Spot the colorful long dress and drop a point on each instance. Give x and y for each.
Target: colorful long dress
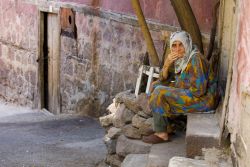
(193, 90)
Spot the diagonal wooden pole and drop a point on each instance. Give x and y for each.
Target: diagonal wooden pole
(142, 22)
(187, 21)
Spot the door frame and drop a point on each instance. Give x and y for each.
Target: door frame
(40, 84)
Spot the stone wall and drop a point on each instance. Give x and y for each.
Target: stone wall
(102, 61)
(18, 51)
(104, 58)
(239, 101)
(158, 10)
(227, 33)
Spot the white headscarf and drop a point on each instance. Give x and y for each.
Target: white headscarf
(190, 50)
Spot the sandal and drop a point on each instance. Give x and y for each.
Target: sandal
(153, 139)
(149, 132)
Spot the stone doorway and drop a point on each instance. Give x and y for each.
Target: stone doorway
(49, 62)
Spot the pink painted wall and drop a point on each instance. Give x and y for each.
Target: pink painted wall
(18, 53)
(159, 10)
(241, 70)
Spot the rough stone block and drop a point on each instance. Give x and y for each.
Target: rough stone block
(106, 120)
(114, 132)
(143, 114)
(129, 99)
(202, 132)
(142, 101)
(131, 132)
(103, 164)
(127, 146)
(135, 160)
(114, 160)
(112, 108)
(144, 125)
(122, 116)
(137, 121)
(181, 162)
(110, 144)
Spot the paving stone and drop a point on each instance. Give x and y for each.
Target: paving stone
(127, 146)
(129, 99)
(214, 160)
(219, 157)
(202, 132)
(135, 160)
(160, 154)
(131, 132)
(114, 132)
(110, 145)
(187, 162)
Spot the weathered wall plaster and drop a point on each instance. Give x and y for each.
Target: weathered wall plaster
(102, 61)
(239, 102)
(18, 51)
(158, 10)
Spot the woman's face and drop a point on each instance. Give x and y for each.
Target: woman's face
(178, 48)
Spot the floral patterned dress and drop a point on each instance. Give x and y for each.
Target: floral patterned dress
(193, 90)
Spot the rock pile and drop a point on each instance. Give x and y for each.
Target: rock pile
(129, 119)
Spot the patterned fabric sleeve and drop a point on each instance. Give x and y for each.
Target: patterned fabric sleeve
(161, 76)
(198, 77)
(170, 74)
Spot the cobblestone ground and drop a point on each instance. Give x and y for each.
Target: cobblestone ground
(30, 138)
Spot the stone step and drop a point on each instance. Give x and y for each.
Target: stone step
(135, 160)
(127, 146)
(203, 131)
(214, 158)
(187, 162)
(160, 154)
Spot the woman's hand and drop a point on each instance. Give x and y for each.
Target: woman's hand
(168, 61)
(173, 56)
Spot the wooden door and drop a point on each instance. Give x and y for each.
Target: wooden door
(53, 37)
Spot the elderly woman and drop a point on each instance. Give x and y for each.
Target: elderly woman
(192, 90)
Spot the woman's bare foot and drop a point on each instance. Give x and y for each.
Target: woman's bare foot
(163, 135)
(156, 138)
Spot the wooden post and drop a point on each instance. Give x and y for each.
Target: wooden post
(187, 21)
(150, 45)
(213, 31)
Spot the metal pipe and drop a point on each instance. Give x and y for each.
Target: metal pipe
(142, 22)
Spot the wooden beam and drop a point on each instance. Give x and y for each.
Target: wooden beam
(187, 21)
(142, 22)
